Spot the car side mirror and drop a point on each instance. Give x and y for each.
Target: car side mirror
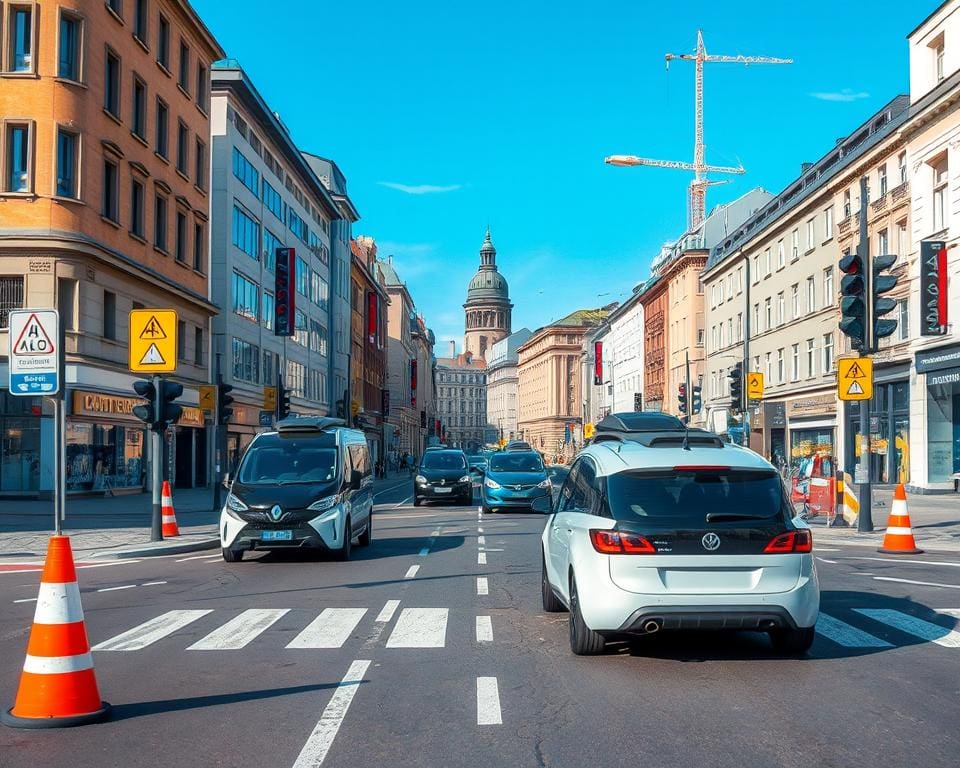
(356, 478)
(543, 505)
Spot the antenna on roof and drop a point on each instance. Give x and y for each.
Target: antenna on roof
(686, 437)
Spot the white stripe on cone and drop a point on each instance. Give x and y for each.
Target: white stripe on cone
(899, 507)
(898, 531)
(56, 665)
(168, 519)
(58, 604)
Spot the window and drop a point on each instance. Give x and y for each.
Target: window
(940, 194)
(902, 165)
(781, 309)
(766, 263)
(160, 222)
(199, 240)
(768, 313)
(829, 297)
(200, 164)
(729, 330)
(246, 297)
(781, 255)
(109, 315)
(183, 135)
(756, 318)
(811, 233)
(300, 328)
(140, 17)
(138, 117)
(163, 42)
(271, 199)
(882, 180)
(847, 210)
(938, 60)
(903, 319)
(18, 157)
(67, 164)
(700, 335)
(243, 169)
(69, 46)
(269, 307)
(739, 330)
(756, 269)
(246, 233)
(780, 371)
(246, 361)
(811, 295)
(795, 362)
(319, 290)
(184, 79)
(66, 302)
(198, 346)
(11, 297)
(111, 84)
(739, 280)
(270, 244)
(768, 359)
(297, 225)
(795, 301)
(827, 352)
(828, 224)
(111, 191)
(202, 86)
(20, 37)
(303, 277)
(903, 247)
(318, 338)
(181, 339)
(181, 242)
(163, 128)
(136, 208)
(269, 368)
(811, 358)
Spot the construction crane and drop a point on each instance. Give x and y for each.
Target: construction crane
(696, 198)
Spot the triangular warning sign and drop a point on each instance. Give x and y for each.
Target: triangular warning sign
(854, 388)
(152, 356)
(153, 330)
(754, 382)
(33, 339)
(855, 372)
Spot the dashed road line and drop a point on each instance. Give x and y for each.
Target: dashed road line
(198, 557)
(484, 629)
(411, 571)
(117, 589)
(488, 702)
(824, 560)
(386, 613)
(152, 583)
(917, 583)
(481, 539)
(904, 560)
(483, 587)
(481, 558)
(26, 600)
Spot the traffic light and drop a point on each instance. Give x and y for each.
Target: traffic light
(160, 410)
(283, 402)
(883, 283)
(697, 399)
(682, 399)
(853, 304)
(146, 413)
(736, 386)
(169, 410)
(224, 401)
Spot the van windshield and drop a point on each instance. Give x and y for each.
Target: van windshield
(273, 460)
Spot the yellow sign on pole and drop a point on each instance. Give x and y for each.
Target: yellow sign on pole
(855, 378)
(755, 386)
(153, 340)
(208, 398)
(589, 430)
(269, 398)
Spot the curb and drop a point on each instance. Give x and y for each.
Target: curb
(157, 550)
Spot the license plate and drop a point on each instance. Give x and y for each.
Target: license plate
(443, 490)
(276, 535)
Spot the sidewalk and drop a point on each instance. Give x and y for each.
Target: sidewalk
(119, 527)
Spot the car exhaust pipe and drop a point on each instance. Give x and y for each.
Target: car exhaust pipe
(651, 626)
(768, 624)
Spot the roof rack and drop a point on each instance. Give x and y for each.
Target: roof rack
(308, 424)
(642, 421)
(653, 430)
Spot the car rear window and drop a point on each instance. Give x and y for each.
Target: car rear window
(516, 462)
(444, 460)
(684, 497)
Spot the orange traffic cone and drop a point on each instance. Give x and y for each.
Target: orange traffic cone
(898, 539)
(168, 516)
(58, 687)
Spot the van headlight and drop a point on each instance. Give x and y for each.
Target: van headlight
(234, 505)
(544, 483)
(491, 483)
(466, 479)
(420, 479)
(322, 505)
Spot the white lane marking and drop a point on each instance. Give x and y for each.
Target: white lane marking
(484, 629)
(481, 539)
(424, 552)
(386, 613)
(58, 603)
(481, 558)
(904, 560)
(488, 702)
(955, 612)
(411, 571)
(26, 600)
(330, 629)
(846, 635)
(409, 498)
(917, 583)
(198, 557)
(115, 589)
(482, 586)
(824, 560)
(239, 631)
(152, 583)
(480, 529)
(491, 549)
(825, 549)
(925, 630)
(150, 631)
(420, 628)
(391, 488)
(325, 731)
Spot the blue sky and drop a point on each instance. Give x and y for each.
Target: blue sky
(448, 116)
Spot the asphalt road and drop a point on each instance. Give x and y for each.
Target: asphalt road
(405, 656)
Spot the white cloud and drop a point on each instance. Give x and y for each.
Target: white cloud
(420, 189)
(846, 94)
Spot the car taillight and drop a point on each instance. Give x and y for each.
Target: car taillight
(792, 541)
(617, 543)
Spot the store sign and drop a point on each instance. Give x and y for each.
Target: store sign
(775, 414)
(92, 404)
(941, 378)
(812, 406)
(933, 288)
(284, 306)
(938, 359)
(34, 359)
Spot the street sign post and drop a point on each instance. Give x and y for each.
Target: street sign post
(754, 386)
(153, 341)
(855, 378)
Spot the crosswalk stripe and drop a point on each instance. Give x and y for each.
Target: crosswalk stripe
(240, 631)
(150, 631)
(420, 628)
(846, 635)
(484, 629)
(330, 629)
(925, 630)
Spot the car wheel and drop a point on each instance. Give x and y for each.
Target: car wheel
(417, 501)
(232, 555)
(344, 552)
(551, 603)
(486, 510)
(363, 540)
(793, 641)
(583, 640)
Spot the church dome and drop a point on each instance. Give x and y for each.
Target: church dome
(488, 284)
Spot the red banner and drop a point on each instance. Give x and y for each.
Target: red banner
(413, 383)
(597, 363)
(372, 316)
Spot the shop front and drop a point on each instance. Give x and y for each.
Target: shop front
(889, 444)
(812, 427)
(939, 371)
(26, 445)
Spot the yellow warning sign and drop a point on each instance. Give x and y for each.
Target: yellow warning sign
(269, 398)
(855, 378)
(589, 430)
(755, 386)
(208, 398)
(153, 340)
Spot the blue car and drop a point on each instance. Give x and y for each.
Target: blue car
(514, 480)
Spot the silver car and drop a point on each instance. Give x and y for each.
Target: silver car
(660, 528)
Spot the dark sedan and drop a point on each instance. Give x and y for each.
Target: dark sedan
(443, 476)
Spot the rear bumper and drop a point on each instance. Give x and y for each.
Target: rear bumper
(739, 617)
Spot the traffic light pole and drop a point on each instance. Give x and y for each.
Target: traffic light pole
(865, 492)
(156, 467)
(686, 356)
(218, 449)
